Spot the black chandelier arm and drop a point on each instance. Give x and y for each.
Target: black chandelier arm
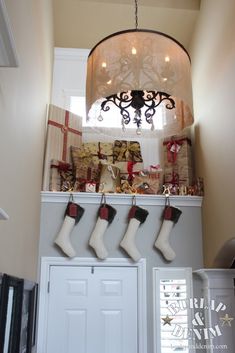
(157, 98)
(124, 97)
(125, 116)
(137, 99)
(150, 112)
(161, 97)
(119, 100)
(150, 96)
(167, 97)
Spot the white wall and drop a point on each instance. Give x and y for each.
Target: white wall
(213, 62)
(24, 94)
(185, 238)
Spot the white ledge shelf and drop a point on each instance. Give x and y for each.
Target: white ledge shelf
(120, 199)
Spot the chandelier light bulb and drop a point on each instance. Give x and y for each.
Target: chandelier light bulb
(134, 51)
(167, 59)
(104, 65)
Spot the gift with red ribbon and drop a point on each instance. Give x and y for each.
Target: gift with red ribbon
(124, 151)
(148, 181)
(129, 169)
(100, 151)
(178, 168)
(173, 147)
(63, 131)
(61, 176)
(85, 169)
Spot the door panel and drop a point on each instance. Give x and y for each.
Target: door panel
(92, 310)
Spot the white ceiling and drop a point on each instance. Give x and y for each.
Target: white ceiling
(174, 4)
(83, 23)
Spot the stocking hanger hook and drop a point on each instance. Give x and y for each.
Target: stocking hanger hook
(133, 200)
(71, 199)
(103, 199)
(167, 200)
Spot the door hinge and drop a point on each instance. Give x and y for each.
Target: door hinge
(48, 287)
(92, 270)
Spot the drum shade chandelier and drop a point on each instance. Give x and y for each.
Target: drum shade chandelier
(142, 73)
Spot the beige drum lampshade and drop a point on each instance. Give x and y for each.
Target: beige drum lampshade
(141, 60)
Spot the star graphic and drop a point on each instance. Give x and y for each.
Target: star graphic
(167, 320)
(226, 320)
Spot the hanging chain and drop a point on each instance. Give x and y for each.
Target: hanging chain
(136, 14)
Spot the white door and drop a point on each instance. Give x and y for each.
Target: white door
(92, 310)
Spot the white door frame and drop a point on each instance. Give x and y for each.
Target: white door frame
(47, 262)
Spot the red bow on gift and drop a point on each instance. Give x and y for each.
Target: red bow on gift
(156, 167)
(62, 167)
(173, 147)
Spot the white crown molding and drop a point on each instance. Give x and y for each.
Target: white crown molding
(120, 199)
(8, 55)
(71, 54)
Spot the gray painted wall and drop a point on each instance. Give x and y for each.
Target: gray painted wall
(186, 238)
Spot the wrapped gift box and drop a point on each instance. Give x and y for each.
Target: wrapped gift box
(109, 178)
(178, 177)
(147, 183)
(124, 151)
(61, 176)
(86, 176)
(100, 151)
(64, 130)
(90, 187)
(127, 157)
(178, 168)
(85, 169)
